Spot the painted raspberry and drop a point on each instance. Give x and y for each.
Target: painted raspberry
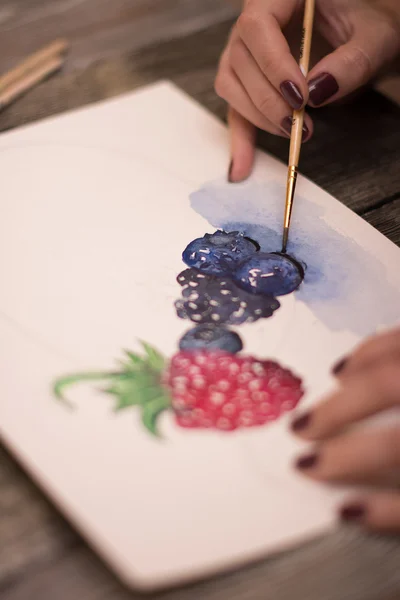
(218, 253)
(227, 392)
(218, 300)
(202, 389)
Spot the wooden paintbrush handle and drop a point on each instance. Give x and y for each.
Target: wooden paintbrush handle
(12, 92)
(45, 55)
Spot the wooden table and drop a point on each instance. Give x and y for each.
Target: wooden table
(41, 556)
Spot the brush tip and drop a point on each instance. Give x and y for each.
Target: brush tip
(285, 239)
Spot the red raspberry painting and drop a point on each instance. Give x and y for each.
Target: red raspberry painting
(201, 389)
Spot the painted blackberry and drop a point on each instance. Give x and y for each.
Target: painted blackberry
(218, 300)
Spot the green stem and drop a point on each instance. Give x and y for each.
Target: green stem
(64, 382)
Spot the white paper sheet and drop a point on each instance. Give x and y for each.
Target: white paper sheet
(96, 208)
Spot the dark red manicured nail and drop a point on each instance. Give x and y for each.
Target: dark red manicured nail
(287, 126)
(302, 422)
(339, 366)
(352, 512)
(322, 87)
(230, 171)
(292, 94)
(307, 462)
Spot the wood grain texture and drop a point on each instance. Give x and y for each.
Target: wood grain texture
(386, 218)
(101, 28)
(30, 529)
(41, 557)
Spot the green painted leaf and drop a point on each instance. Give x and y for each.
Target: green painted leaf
(152, 411)
(135, 388)
(155, 359)
(62, 383)
(134, 361)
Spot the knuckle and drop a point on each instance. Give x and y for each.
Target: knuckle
(387, 380)
(264, 104)
(236, 53)
(392, 446)
(359, 61)
(248, 21)
(221, 84)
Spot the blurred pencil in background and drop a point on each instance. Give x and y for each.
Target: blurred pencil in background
(31, 71)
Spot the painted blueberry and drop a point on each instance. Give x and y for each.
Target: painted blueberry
(210, 337)
(269, 274)
(218, 300)
(218, 253)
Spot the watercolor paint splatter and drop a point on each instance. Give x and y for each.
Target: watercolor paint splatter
(336, 285)
(208, 384)
(205, 389)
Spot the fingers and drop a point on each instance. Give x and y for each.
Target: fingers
(254, 103)
(229, 87)
(260, 29)
(374, 44)
(377, 512)
(243, 141)
(262, 94)
(358, 457)
(361, 396)
(377, 349)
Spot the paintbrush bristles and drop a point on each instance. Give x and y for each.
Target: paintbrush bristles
(298, 120)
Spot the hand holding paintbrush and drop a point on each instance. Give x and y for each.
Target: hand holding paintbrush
(261, 80)
(32, 71)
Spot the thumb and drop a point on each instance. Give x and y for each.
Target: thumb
(374, 44)
(243, 143)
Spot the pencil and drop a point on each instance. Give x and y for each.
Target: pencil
(32, 78)
(297, 123)
(46, 54)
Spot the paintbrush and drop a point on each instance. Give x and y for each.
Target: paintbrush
(297, 123)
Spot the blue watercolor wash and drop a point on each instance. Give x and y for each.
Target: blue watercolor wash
(344, 286)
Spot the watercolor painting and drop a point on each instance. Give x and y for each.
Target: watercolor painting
(208, 383)
(165, 316)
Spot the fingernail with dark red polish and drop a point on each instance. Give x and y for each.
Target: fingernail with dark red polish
(339, 366)
(352, 512)
(230, 171)
(307, 462)
(287, 126)
(292, 94)
(302, 422)
(322, 88)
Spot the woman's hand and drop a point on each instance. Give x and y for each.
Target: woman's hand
(369, 384)
(261, 80)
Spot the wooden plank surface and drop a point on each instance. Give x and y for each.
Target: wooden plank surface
(101, 28)
(41, 557)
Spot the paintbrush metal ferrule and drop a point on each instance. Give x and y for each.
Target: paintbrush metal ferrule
(290, 190)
